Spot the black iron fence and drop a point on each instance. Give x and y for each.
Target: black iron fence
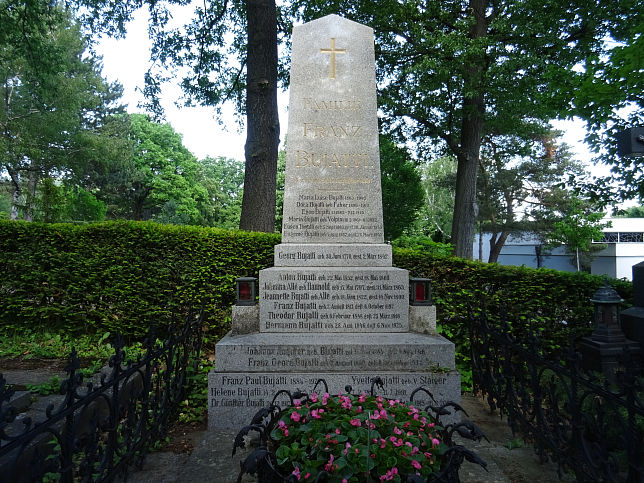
(100, 429)
(591, 428)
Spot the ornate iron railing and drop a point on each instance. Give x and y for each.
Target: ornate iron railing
(591, 428)
(98, 430)
(263, 460)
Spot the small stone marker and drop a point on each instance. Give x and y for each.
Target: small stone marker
(333, 306)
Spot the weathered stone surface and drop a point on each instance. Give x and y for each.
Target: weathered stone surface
(422, 319)
(332, 189)
(332, 307)
(234, 398)
(245, 319)
(333, 299)
(332, 255)
(334, 352)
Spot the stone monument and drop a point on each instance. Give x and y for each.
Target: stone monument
(333, 306)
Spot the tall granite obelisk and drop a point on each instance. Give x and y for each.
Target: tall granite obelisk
(332, 306)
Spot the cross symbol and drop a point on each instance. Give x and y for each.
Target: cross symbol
(332, 51)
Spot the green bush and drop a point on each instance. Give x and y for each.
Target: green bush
(121, 276)
(554, 304)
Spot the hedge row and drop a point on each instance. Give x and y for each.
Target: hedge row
(121, 276)
(125, 275)
(553, 304)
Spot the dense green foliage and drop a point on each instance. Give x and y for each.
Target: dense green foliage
(54, 103)
(555, 304)
(453, 73)
(122, 276)
(402, 190)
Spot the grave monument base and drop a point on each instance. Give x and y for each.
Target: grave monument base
(235, 397)
(251, 368)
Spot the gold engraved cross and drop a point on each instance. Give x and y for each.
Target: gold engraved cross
(332, 51)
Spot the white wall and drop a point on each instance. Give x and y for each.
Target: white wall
(616, 260)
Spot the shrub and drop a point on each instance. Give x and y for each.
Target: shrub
(121, 276)
(356, 437)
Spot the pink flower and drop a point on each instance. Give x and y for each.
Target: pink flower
(325, 398)
(295, 416)
(416, 464)
(346, 447)
(395, 441)
(337, 430)
(392, 403)
(282, 425)
(315, 413)
(427, 455)
(306, 476)
(362, 398)
(435, 442)
(389, 475)
(297, 404)
(397, 431)
(296, 472)
(314, 397)
(329, 465)
(355, 422)
(383, 414)
(414, 450)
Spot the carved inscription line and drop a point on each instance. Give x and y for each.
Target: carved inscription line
(258, 390)
(326, 160)
(332, 105)
(330, 131)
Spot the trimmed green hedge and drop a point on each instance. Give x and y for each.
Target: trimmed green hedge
(555, 304)
(121, 276)
(125, 275)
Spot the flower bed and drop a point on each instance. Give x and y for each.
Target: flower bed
(351, 437)
(355, 438)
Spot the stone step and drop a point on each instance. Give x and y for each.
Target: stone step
(265, 352)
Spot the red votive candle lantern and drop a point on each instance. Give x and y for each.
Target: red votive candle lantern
(245, 290)
(420, 291)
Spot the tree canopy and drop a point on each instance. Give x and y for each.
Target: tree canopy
(54, 100)
(451, 73)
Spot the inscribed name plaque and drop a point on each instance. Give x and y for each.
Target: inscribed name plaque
(334, 299)
(233, 395)
(332, 188)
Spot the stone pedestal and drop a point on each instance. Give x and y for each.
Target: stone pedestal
(332, 307)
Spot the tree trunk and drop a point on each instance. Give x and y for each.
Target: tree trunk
(496, 245)
(262, 137)
(17, 193)
(32, 181)
(465, 209)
